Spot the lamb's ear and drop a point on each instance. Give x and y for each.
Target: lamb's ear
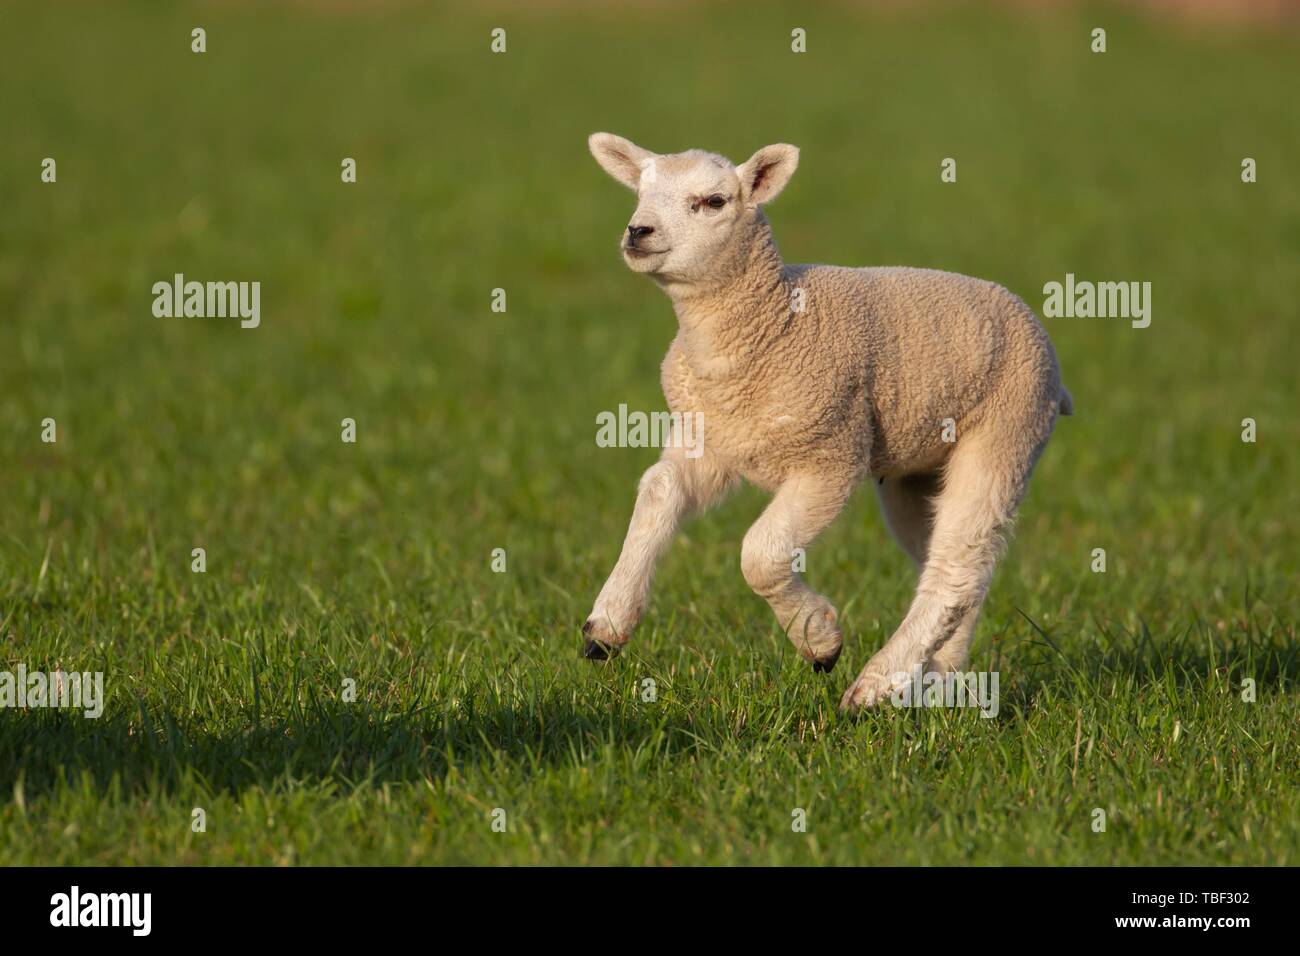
(764, 175)
(619, 157)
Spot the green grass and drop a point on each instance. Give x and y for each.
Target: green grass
(328, 561)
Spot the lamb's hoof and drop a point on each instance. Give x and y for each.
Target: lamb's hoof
(869, 690)
(596, 651)
(827, 664)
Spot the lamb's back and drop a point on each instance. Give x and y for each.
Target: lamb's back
(935, 345)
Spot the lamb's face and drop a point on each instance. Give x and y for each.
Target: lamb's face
(694, 209)
(686, 216)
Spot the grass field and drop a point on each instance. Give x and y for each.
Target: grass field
(370, 562)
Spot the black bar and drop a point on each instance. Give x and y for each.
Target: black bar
(333, 906)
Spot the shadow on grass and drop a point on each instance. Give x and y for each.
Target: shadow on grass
(151, 750)
(349, 744)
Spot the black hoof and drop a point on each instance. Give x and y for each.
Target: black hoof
(828, 664)
(596, 650)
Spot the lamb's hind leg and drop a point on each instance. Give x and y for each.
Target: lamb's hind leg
(952, 654)
(983, 483)
(908, 507)
(801, 509)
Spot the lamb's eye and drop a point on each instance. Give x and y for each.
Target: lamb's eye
(716, 202)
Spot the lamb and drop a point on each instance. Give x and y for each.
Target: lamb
(942, 388)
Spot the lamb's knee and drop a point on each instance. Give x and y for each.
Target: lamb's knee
(764, 571)
(661, 487)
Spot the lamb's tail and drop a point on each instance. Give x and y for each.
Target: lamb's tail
(1067, 403)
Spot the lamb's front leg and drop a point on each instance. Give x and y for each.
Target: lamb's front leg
(670, 490)
(802, 508)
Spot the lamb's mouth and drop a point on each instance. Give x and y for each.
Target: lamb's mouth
(636, 253)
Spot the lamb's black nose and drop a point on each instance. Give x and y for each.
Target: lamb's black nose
(636, 232)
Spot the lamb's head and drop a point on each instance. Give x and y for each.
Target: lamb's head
(697, 213)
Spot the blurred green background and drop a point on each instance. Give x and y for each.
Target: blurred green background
(476, 430)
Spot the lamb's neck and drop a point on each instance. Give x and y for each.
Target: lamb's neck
(727, 325)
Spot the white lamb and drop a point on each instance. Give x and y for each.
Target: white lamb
(942, 388)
